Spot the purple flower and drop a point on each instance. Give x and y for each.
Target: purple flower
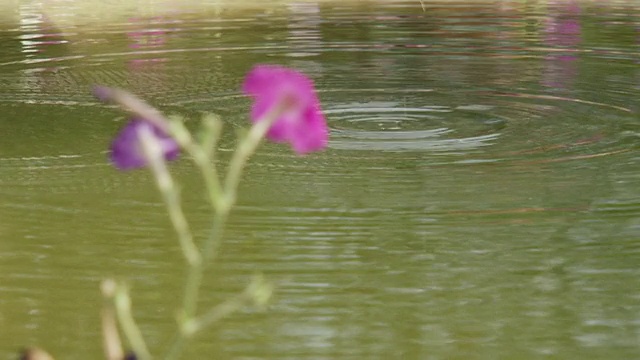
(126, 149)
(300, 121)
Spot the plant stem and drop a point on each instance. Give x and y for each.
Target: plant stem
(212, 126)
(258, 292)
(176, 346)
(222, 200)
(218, 312)
(122, 303)
(200, 155)
(170, 195)
(131, 103)
(192, 287)
(245, 149)
(110, 337)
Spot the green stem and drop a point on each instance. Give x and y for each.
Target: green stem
(217, 313)
(223, 207)
(257, 292)
(133, 104)
(212, 130)
(244, 151)
(170, 195)
(222, 200)
(193, 285)
(110, 335)
(122, 303)
(177, 345)
(201, 156)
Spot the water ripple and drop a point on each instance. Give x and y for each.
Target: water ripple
(483, 156)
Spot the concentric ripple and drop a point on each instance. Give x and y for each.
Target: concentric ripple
(406, 121)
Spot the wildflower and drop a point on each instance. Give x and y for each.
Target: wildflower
(126, 149)
(291, 94)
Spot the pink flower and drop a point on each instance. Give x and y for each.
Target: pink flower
(301, 122)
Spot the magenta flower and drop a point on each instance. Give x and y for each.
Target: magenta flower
(301, 122)
(126, 149)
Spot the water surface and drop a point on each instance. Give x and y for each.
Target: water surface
(478, 200)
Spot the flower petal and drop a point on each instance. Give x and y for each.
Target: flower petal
(301, 122)
(127, 152)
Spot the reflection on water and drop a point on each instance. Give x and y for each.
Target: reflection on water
(562, 34)
(478, 200)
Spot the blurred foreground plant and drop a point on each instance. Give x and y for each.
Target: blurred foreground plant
(285, 109)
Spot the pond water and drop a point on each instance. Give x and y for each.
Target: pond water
(478, 200)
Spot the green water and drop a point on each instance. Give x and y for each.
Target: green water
(479, 198)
